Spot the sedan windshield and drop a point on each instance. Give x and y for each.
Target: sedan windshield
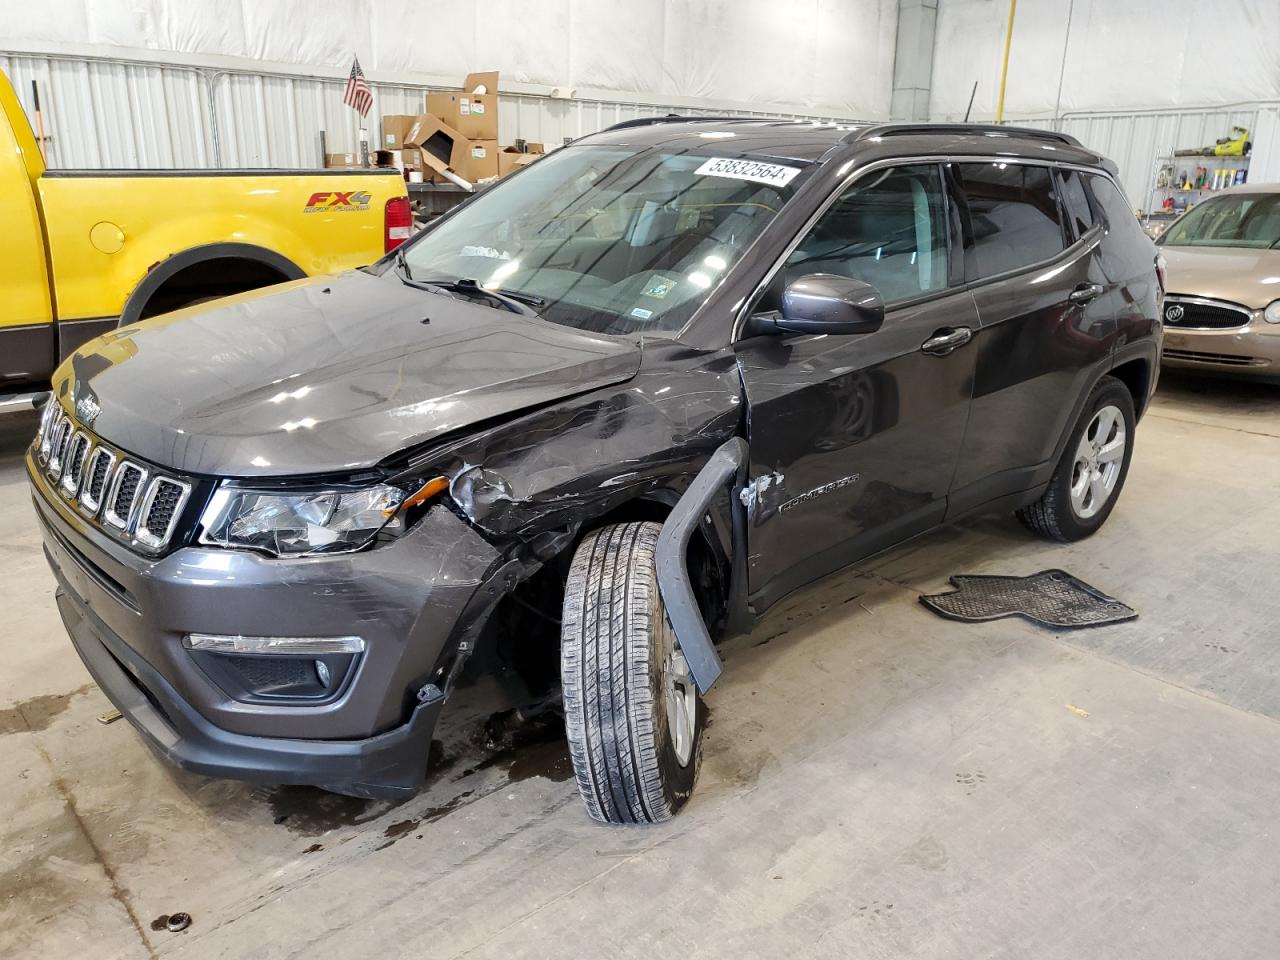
(606, 239)
(1238, 220)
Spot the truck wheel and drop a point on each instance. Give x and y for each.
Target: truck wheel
(1087, 483)
(632, 713)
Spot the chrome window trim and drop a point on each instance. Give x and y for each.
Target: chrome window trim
(109, 515)
(85, 501)
(744, 311)
(69, 482)
(145, 535)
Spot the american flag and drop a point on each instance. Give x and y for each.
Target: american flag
(358, 96)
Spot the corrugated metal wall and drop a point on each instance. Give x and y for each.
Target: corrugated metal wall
(113, 113)
(1138, 141)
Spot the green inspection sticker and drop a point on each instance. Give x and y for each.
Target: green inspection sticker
(658, 286)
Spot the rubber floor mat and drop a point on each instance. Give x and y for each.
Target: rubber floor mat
(1051, 598)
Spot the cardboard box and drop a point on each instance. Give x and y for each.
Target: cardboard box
(438, 145)
(473, 115)
(394, 128)
(341, 160)
(511, 159)
(480, 161)
(483, 82)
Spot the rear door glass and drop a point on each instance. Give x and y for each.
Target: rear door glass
(1014, 218)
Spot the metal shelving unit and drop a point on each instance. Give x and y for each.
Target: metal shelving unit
(1171, 167)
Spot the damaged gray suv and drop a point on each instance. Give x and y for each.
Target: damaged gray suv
(580, 429)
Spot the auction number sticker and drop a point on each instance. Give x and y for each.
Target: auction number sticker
(774, 174)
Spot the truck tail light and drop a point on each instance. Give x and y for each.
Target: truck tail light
(397, 222)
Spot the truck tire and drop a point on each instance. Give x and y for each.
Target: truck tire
(1087, 483)
(633, 715)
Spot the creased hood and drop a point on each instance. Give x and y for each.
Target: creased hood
(1248, 277)
(322, 375)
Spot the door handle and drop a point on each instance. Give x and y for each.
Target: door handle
(1085, 292)
(945, 340)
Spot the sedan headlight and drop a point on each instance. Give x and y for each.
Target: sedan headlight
(296, 524)
(1272, 313)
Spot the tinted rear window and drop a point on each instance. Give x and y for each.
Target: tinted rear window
(1013, 216)
(1076, 200)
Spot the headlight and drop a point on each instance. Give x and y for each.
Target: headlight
(295, 524)
(1272, 313)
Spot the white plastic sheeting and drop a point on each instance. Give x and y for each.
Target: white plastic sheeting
(130, 115)
(1105, 55)
(832, 57)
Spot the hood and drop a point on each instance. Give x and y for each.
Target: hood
(323, 375)
(1248, 277)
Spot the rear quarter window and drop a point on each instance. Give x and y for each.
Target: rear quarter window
(1127, 252)
(1014, 216)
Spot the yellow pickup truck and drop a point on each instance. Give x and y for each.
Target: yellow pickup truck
(85, 251)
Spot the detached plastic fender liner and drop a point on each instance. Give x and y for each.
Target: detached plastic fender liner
(673, 570)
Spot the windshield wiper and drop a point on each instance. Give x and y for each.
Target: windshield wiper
(515, 301)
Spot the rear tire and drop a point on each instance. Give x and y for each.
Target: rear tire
(633, 716)
(1091, 474)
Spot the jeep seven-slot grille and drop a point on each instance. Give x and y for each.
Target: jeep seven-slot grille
(1202, 314)
(119, 494)
(100, 465)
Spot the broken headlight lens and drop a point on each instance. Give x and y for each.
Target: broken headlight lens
(295, 524)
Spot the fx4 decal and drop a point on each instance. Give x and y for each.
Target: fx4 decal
(338, 201)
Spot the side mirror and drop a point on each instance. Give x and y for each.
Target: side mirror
(825, 303)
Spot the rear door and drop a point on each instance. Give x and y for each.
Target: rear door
(854, 439)
(1046, 324)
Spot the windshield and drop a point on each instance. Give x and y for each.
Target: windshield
(608, 239)
(1242, 220)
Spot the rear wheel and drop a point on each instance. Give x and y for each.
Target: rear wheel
(633, 716)
(1087, 483)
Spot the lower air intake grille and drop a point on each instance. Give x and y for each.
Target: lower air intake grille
(1226, 359)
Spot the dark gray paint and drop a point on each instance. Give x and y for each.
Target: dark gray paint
(543, 430)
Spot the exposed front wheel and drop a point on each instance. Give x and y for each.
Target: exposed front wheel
(633, 716)
(1093, 468)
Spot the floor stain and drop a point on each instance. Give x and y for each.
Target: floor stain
(37, 713)
(536, 747)
(314, 848)
(160, 922)
(310, 811)
(398, 829)
(402, 828)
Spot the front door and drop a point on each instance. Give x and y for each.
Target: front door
(854, 439)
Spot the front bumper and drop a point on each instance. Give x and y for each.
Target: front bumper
(410, 600)
(1250, 350)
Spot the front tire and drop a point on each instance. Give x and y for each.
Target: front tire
(633, 716)
(1087, 483)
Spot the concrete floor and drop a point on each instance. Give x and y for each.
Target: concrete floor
(877, 782)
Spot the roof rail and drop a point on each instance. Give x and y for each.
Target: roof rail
(973, 129)
(677, 118)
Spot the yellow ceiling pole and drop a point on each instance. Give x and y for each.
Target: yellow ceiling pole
(1004, 68)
